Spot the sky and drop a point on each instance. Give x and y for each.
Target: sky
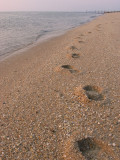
(59, 5)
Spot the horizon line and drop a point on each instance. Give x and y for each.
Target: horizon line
(108, 10)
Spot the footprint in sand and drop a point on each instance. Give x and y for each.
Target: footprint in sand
(82, 35)
(68, 68)
(71, 48)
(98, 27)
(88, 148)
(93, 92)
(73, 55)
(80, 41)
(88, 93)
(98, 30)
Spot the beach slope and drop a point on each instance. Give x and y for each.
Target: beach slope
(61, 99)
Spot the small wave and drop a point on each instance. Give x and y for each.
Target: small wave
(43, 32)
(92, 16)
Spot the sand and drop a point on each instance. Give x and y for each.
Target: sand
(60, 100)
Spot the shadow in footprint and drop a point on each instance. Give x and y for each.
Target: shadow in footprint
(72, 48)
(81, 34)
(93, 93)
(68, 67)
(75, 55)
(81, 41)
(88, 148)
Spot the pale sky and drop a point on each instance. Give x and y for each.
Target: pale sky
(58, 5)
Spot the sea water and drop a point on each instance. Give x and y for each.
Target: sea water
(20, 29)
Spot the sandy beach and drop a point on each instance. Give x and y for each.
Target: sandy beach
(60, 100)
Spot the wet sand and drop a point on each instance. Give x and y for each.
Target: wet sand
(60, 100)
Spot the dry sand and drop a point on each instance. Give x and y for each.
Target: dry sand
(60, 100)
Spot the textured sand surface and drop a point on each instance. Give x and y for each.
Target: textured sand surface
(60, 100)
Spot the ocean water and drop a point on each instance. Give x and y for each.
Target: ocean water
(20, 29)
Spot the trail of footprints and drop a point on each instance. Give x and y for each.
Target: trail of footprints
(88, 148)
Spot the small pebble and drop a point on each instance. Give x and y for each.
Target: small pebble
(110, 134)
(114, 144)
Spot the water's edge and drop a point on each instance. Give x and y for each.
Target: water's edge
(40, 39)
